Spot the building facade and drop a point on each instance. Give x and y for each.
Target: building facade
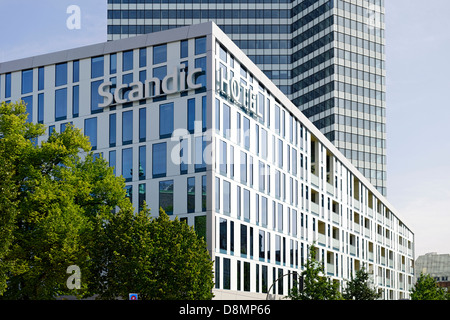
(327, 56)
(436, 265)
(196, 128)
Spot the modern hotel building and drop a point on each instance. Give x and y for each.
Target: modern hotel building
(196, 128)
(327, 56)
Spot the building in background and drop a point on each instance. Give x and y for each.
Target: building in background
(195, 127)
(327, 56)
(436, 265)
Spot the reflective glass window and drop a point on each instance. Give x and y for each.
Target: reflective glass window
(127, 127)
(165, 120)
(90, 130)
(200, 45)
(127, 164)
(41, 78)
(159, 54)
(127, 60)
(27, 81)
(159, 162)
(97, 67)
(142, 162)
(41, 108)
(96, 99)
(112, 129)
(190, 194)
(29, 105)
(76, 71)
(166, 189)
(61, 74)
(61, 104)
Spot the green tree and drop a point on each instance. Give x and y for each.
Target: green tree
(52, 204)
(158, 258)
(316, 285)
(59, 206)
(426, 288)
(358, 288)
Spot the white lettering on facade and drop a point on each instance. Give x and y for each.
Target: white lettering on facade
(172, 83)
(237, 92)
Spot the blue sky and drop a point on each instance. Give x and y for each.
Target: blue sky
(418, 109)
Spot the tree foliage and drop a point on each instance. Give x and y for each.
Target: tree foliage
(60, 206)
(316, 285)
(426, 288)
(358, 288)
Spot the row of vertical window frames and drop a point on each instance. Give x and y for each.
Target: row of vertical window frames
(248, 165)
(199, 14)
(259, 211)
(166, 193)
(283, 122)
(159, 56)
(244, 276)
(191, 1)
(280, 122)
(247, 243)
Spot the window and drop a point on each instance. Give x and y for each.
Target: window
(127, 60)
(166, 189)
(200, 146)
(112, 160)
(203, 193)
(246, 128)
(184, 48)
(112, 129)
(165, 120)
(142, 162)
(159, 54)
(113, 63)
(226, 197)
(159, 160)
(142, 57)
(127, 164)
(191, 194)
(226, 121)
(204, 113)
(127, 127)
(142, 124)
(200, 45)
(246, 202)
(41, 108)
(96, 99)
(76, 71)
(243, 240)
(61, 74)
(90, 130)
(7, 85)
(61, 104)
(75, 101)
(142, 195)
(243, 167)
(223, 235)
(27, 81)
(97, 66)
(200, 78)
(217, 193)
(28, 101)
(223, 157)
(191, 115)
(41, 78)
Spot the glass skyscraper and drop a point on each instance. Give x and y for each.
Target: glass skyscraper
(327, 56)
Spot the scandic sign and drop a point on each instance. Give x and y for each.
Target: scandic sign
(152, 88)
(177, 82)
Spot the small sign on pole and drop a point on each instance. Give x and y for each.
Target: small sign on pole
(132, 296)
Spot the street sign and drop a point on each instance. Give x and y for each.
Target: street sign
(132, 296)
